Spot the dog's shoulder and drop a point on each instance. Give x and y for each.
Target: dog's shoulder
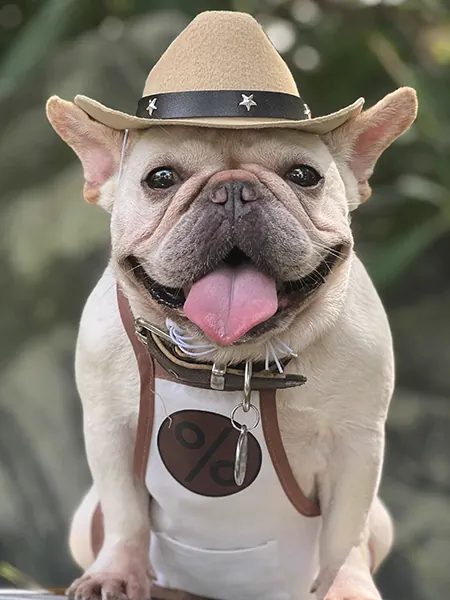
(104, 355)
(100, 326)
(364, 338)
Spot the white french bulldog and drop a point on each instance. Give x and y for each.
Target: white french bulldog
(240, 237)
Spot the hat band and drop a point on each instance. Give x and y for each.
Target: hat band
(223, 103)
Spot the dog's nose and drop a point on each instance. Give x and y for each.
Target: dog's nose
(234, 192)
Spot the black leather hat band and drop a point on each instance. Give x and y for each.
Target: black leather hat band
(223, 103)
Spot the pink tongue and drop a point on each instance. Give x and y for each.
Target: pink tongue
(230, 301)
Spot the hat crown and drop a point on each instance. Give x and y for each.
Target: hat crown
(221, 50)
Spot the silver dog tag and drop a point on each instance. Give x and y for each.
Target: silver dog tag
(240, 462)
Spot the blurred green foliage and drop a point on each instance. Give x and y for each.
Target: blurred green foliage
(338, 50)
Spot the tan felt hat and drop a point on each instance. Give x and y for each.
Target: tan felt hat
(221, 71)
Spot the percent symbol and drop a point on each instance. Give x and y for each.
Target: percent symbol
(198, 443)
(198, 448)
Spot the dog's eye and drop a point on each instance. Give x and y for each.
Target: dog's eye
(161, 178)
(304, 176)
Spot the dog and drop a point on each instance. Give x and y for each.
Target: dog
(241, 239)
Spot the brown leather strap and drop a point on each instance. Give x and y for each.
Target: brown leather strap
(146, 412)
(199, 375)
(269, 420)
(146, 368)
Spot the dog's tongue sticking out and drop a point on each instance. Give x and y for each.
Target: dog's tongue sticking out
(230, 301)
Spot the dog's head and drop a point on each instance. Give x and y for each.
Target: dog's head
(238, 235)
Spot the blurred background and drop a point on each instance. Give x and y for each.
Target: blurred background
(54, 246)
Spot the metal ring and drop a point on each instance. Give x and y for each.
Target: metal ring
(247, 385)
(239, 427)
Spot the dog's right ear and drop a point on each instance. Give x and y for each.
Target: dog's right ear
(360, 141)
(97, 146)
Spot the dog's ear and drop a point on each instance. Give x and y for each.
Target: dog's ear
(97, 146)
(360, 142)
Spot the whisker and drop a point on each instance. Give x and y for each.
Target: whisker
(314, 273)
(336, 253)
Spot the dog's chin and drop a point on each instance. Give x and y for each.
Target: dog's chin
(293, 296)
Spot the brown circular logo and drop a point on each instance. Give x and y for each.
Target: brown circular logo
(198, 449)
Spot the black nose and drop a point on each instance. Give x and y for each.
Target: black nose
(234, 195)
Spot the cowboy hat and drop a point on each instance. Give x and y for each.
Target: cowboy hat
(221, 71)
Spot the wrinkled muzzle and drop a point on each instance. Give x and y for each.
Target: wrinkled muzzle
(236, 256)
(233, 299)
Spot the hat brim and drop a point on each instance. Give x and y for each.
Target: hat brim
(120, 121)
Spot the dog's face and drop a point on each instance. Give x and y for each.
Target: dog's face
(238, 235)
(235, 231)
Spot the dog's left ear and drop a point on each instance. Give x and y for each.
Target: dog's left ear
(97, 146)
(360, 142)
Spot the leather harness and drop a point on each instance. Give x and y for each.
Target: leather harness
(157, 358)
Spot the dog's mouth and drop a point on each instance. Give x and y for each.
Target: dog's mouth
(236, 297)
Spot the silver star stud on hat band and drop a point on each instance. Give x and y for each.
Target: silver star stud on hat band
(247, 101)
(151, 106)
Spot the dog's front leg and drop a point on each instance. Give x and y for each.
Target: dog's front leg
(354, 580)
(105, 383)
(122, 567)
(347, 490)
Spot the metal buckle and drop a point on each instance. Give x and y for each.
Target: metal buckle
(142, 326)
(217, 381)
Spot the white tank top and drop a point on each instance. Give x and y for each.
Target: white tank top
(210, 537)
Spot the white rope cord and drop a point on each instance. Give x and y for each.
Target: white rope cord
(275, 349)
(180, 339)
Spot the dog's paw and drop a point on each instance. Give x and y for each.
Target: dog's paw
(351, 593)
(353, 584)
(119, 573)
(111, 586)
(324, 581)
